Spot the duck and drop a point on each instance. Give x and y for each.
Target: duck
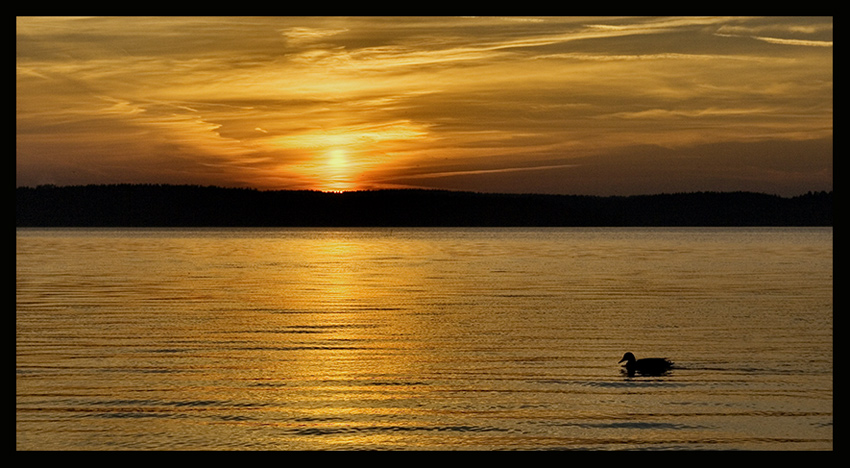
(646, 366)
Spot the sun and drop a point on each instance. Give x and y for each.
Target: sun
(338, 159)
(338, 171)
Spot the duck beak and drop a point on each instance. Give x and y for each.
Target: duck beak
(621, 360)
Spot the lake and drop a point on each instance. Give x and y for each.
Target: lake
(423, 339)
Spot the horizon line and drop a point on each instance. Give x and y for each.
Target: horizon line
(342, 192)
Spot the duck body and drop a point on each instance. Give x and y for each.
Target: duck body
(646, 366)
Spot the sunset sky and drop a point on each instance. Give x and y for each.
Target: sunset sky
(574, 105)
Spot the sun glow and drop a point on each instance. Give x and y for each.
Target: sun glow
(342, 156)
(338, 177)
(337, 159)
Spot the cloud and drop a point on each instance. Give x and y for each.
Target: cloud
(781, 41)
(796, 42)
(302, 35)
(806, 32)
(432, 175)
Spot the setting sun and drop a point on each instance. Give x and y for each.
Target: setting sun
(337, 159)
(338, 171)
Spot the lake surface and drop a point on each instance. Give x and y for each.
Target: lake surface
(423, 339)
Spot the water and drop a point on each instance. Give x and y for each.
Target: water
(423, 339)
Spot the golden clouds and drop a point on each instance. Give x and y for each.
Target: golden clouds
(411, 101)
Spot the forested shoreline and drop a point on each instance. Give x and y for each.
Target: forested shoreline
(151, 205)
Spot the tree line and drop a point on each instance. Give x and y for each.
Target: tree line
(151, 205)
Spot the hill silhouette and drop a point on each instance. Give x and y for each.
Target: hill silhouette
(150, 205)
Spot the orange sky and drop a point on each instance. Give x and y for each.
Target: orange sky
(602, 106)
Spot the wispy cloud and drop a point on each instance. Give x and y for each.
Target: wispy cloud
(302, 35)
(796, 42)
(501, 170)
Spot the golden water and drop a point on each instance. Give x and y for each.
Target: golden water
(422, 339)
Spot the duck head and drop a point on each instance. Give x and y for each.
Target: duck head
(628, 358)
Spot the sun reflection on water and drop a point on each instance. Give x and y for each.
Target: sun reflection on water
(338, 346)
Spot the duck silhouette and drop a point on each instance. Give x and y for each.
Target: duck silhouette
(646, 366)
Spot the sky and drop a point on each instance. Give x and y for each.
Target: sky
(568, 105)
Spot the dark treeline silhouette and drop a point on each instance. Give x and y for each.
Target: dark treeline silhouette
(191, 205)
